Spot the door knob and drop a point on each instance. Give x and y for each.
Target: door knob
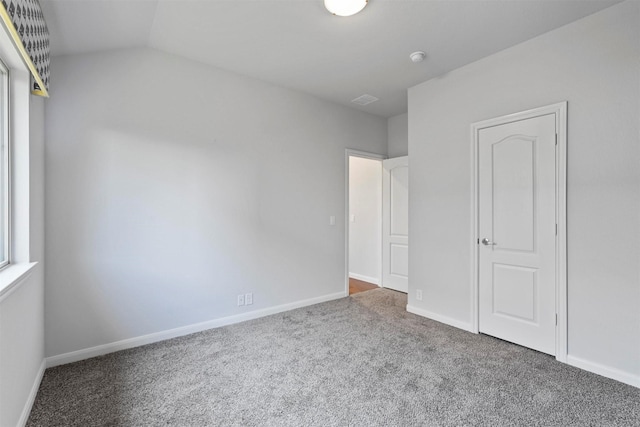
(488, 242)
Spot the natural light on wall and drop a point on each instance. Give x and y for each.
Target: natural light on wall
(24, 21)
(345, 7)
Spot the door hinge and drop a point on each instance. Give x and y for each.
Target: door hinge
(556, 229)
(556, 139)
(556, 320)
(478, 242)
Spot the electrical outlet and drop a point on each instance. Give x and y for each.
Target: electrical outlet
(248, 298)
(240, 300)
(419, 294)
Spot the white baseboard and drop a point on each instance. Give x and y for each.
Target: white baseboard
(605, 371)
(596, 368)
(100, 350)
(374, 280)
(440, 318)
(32, 395)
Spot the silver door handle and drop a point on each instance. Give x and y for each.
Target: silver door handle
(488, 242)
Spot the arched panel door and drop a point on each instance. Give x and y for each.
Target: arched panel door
(395, 223)
(517, 232)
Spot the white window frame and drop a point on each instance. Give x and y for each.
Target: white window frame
(19, 90)
(5, 167)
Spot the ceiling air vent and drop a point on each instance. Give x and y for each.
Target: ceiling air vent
(364, 99)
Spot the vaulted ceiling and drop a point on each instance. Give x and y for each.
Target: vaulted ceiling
(297, 44)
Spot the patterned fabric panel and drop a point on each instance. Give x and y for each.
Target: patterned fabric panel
(29, 23)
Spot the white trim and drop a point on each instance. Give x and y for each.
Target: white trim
(374, 280)
(103, 349)
(5, 168)
(24, 417)
(19, 88)
(562, 335)
(13, 276)
(440, 318)
(605, 371)
(475, 266)
(365, 155)
(560, 111)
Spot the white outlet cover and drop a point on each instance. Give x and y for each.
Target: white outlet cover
(332, 220)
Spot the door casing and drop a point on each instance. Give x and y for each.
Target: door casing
(560, 112)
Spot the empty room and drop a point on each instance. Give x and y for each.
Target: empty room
(319, 213)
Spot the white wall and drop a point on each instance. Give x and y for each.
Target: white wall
(172, 187)
(398, 135)
(22, 308)
(365, 208)
(594, 65)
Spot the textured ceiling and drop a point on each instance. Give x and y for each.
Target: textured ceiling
(299, 45)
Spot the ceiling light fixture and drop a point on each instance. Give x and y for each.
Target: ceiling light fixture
(345, 7)
(418, 56)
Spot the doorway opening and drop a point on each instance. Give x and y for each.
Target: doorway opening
(364, 221)
(377, 222)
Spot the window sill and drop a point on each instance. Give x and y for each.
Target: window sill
(13, 275)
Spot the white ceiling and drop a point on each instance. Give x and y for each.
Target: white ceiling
(299, 45)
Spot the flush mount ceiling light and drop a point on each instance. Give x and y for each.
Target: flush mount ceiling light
(418, 56)
(345, 7)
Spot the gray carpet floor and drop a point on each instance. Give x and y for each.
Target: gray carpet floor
(358, 361)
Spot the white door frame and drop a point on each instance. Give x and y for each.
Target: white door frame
(365, 155)
(560, 111)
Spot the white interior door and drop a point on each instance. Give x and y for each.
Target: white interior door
(517, 232)
(395, 223)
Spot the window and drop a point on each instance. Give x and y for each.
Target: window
(4, 165)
